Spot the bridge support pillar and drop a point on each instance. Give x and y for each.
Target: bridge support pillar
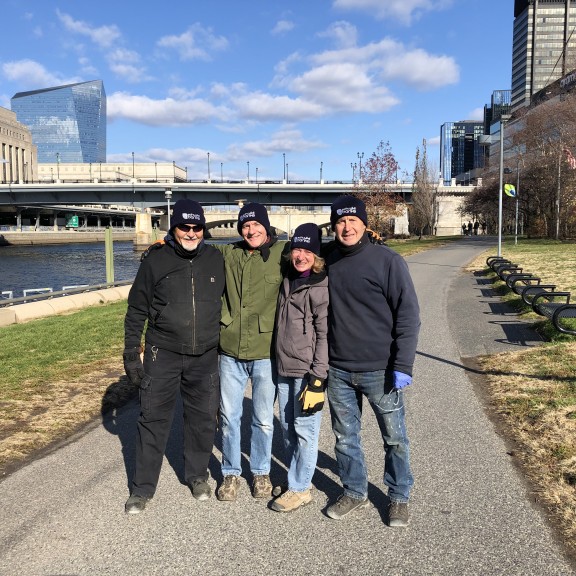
(143, 236)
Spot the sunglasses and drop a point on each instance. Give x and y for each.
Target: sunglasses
(188, 227)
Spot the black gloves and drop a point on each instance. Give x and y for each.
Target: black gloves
(312, 397)
(133, 365)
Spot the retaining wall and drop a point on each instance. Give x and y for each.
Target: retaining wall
(20, 313)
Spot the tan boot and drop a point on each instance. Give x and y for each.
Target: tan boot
(290, 501)
(228, 490)
(261, 486)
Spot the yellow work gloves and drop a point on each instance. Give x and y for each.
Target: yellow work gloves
(312, 397)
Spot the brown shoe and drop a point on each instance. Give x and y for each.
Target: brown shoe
(290, 501)
(228, 490)
(261, 486)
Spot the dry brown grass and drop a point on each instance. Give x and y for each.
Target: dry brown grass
(43, 415)
(536, 398)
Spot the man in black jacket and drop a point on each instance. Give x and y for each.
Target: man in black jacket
(373, 326)
(178, 290)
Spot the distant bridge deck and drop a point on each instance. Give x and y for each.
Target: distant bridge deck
(154, 194)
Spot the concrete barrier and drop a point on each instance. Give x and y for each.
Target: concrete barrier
(20, 313)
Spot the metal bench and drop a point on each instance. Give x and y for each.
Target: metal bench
(564, 319)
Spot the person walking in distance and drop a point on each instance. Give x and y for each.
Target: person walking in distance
(302, 361)
(253, 276)
(178, 290)
(373, 327)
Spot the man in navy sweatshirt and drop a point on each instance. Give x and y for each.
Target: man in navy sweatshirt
(374, 321)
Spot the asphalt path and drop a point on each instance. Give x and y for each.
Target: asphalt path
(471, 511)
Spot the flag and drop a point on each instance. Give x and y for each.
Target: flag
(570, 159)
(510, 190)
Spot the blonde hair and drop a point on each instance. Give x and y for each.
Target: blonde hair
(317, 266)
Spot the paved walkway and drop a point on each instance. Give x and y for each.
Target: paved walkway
(471, 511)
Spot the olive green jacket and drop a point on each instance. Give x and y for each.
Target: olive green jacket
(249, 303)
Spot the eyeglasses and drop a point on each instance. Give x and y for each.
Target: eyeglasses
(188, 227)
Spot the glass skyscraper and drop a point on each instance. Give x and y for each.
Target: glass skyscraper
(460, 150)
(68, 123)
(544, 46)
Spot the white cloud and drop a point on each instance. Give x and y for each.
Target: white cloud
(32, 75)
(434, 141)
(343, 87)
(476, 114)
(197, 43)
(391, 60)
(282, 141)
(126, 64)
(403, 11)
(103, 36)
(266, 107)
(344, 34)
(282, 26)
(422, 70)
(166, 112)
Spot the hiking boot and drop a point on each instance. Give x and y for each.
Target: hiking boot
(344, 505)
(290, 501)
(200, 489)
(398, 514)
(228, 490)
(261, 486)
(135, 504)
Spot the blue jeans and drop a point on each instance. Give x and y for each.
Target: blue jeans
(300, 432)
(345, 392)
(234, 375)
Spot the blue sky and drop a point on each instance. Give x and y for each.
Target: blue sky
(249, 81)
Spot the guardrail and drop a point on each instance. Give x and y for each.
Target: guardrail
(48, 294)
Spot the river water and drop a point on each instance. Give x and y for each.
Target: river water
(58, 265)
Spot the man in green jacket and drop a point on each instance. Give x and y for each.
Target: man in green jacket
(253, 276)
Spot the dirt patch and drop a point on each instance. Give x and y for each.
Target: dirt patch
(33, 426)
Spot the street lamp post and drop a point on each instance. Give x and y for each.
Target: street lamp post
(256, 174)
(503, 119)
(168, 195)
(321, 165)
(208, 154)
(221, 171)
(287, 176)
(360, 156)
(353, 165)
(248, 167)
(58, 166)
(284, 166)
(90, 171)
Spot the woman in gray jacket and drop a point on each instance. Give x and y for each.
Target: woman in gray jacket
(302, 362)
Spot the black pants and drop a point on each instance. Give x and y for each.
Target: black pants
(199, 383)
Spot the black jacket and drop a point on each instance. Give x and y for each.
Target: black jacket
(181, 299)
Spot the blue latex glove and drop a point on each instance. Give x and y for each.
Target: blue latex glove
(401, 380)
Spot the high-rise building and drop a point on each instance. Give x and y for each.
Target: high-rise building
(544, 46)
(460, 150)
(68, 123)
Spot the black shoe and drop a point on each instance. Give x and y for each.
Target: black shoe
(344, 505)
(398, 514)
(201, 489)
(135, 504)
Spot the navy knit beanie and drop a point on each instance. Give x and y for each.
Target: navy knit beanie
(253, 211)
(187, 211)
(348, 206)
(307, 236)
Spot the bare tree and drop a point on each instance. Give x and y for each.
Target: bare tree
(424, 208)
(373, 188)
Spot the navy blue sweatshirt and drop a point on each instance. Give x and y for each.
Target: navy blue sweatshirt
(374, 317)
